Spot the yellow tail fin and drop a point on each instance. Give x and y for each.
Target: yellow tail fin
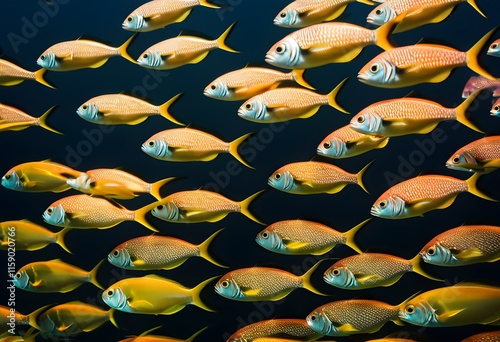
(196, 294)
(221, 41)
(417, 269)
(298, 76)
(42, 120)
(123, 49)
(360, 176)
(32, 317)
(352, 232)
(208, 4)
(246, 203)
(383, 33)
(473, 4)
(472, 184)
(111, 315)
(192, 337)
(39, 78)
(93, 275)
(140, 216)
(473, 53)
(332, 97)
(204, 249)
(164, 110)
(306, 279)
(156, 186)
(233, 149)
(461, 111)
(60, 239)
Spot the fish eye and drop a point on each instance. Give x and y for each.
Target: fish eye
(224, 284)
(18, 275)
(151, 143)
(431, 251)
(85, 106)
(110, 293)
(277, 176)
(378, 12)
(49, 211)
(280, 49)
(382, 204)
(497, 108)
(116, 253)
(313, 318)
(336, 272)
(494, 45)
(129, 19)
(361, 119)
(327, 144)
(456, 160)
(410, 309)
(42, 57)
(374, 68)
(145, 55)
(282, 14)
(248, 106)
(213, 87)
(265, 235)
(7, 177)
(160, 207)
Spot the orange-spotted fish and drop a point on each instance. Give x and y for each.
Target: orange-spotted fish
(488, 336)
(482, 155)
(494, 49)
(29, 236)
(284, 104)
(194, 206)
(81, 54)
(314, 177)
(7, 317)
(159, 13)
(12, 74)
(117, 109)
(175, 52)
(87, 212)
(114, 183)
(153, 295)
(451, 306)
(53, 276)
(297, 237)
(463, 245)
(495, 109)
(368, 270)
(297, 329)
(14, 119)
(302, 13)
(245, 83)
(403, 116)
(416, 196)
(345, 142)
(157, 252)
(39, 176)
(188, 144)
(481, 83)
(263, 283)
(147, 337)
(420, 63)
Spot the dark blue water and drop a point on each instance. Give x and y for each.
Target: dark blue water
(27, 30)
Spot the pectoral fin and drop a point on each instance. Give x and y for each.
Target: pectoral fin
(141, 305)
(249, 292)
(65, 57)
(493, 163)
(368, 278)
(443, 317)
(64, 327)
(294, 245)
(469, 253)
(347, 328)
(36, 283)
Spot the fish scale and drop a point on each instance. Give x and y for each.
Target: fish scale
(413, 108)
(272, 327)
(399, 6)
(268, 280)
(252, 76)
(430, 186)
(486, 238)
(11, 114)
(483, 149)
(123, 104)
(135, 183)
(183, 45)
(480, 82)
(320, 173)
(316, 234)
(84, 49)
(345, 134)
(426, 56)
(192, 139)
(204, 200)
(10, 70)
(334, 34)
(292, 97)
(165, 6)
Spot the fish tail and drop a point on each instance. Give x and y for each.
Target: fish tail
(196, 291)
(332, 97)
(298, 76)
(60, 239)
(192, 337)
(233, 149)
(111, 315)
(39, 78)
(473, 53)
(30, 334)
(306, 279)
(351, 233)
(156, 186)
(366, 2)
(221, 41)
(123, 49)
(383, 33)
(93, 275)
(418, 269)
(246, 203)
(476, 7)
(472, 187)
(360, 174)
(164, 110)
(42, 120)
(204, 248)
(140, 216)
(208, 4)
(461, 112)
(32, 317)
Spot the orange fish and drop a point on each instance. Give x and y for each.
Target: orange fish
(17, 319)
(482, 155)
(11, 74)
(13, 119)
(147, 337)
(488, 336)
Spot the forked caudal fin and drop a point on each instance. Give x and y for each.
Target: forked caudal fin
(298, 76)
(246, 203)
(221, 41)
(164, 110)
(461, 111)
(60, 239)
(42, 120)
(93, 275)
(123, 49)
(417, 269)
(233, 149)
(204, 249)
(140, 216)
(196, 291)
(352, 232)
(39, 78)
(332, 97)
(306, 279)
(156, 186)
(360, 174)
(473, 53)
(472, 187)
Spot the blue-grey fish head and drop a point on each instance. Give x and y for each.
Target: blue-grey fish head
(379, 72)
(391, 208)
(115, 298)
(150, 59)
(228, 288)
(156, 148)
(89, 112)
(167, 212)
(366, 123)
(288, 17)
(254, 110)
(12, 181)
(120, 257)
(320, 323)
(495, 109)
(81, 183)
(271, 241)
(55, 215)
(281, 180)
(437, 254)
(48, 61)
(381, 14)
(332, 147)
(464, 161)
(340, 276)
(134, 22)
(285, 54)
(494, 49)
(21, 279)
(418, 313)
(217, 90)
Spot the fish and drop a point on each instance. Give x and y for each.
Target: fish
(481, 83)
(416, 196)
(369, 270)
(114, 183)
(482, 155)
(253, 284)
(12, 74)
(188, 144)
(153, 295)
(147, 337)
(39, 176)
(407, 115)
(29, 236)
(494, 49)
(54, 276)
(72, 318)
(81, 54)
(299, 237)
(421, 63)
(464, 245)
(352, 316)
(8, 315)
(284, 104)
(488, 336)
(418, 12)
(194, 206)
(345, 142)
(304, 13)
(156, 252)
(242, 84)
(176, 52)
(14, 119)
(451, 306)
(86, 212)
(118, 109)
(154, 15)
(495, 109)
(29, 336)
(312, 177)
(287, 327)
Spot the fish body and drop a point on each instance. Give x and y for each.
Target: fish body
(147, 337)
(292, 328)
(495, 108)
(488, 336)
(494, 49)
(12, 74)
(14, 119)
(464, 245)
(482, 155)
(481, 83)
(8, 315)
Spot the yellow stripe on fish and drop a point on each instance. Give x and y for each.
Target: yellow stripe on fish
(13, 119)
(12, 74)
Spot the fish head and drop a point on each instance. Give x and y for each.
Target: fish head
(167, 212)
(332, 147)
(228, 288)
(437, 254)
(391, 207)
(494, 49)
(495, 109)
(48, 60)
(340, 276)
(134, 22)
(81, 183)
(115, 298)
(120, 257)
(156, 148)
(281, 180)
(381, 15)
(417, 312)
(320, 323)
(55, 215)
(21, 279)
(285, 54)
(463, 161)
(217, 90)
(270, 240)
(288, 17)
(12, 181)
(150, 59)
(366, 123)
(254, 110)
(89, 112)
(380, 72)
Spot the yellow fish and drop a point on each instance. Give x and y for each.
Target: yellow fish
(188, 144)
(153, 295)
(11, 74)
(29, 336)
(175, 52)
(14, 119)
(147, 337)
(7, 313)
(53, 276)
(81, 54)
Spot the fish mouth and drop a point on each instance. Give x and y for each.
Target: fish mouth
(269, 59)
(241, 113)
(362, 77)
(375, 212)
(143, 148)
(371, 20)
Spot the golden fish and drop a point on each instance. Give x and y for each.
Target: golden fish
(245, 83)
(416, 196)
(29, 236)
(289, 327)
(156, 252)
(195, 206)
(13, 119)
(10, 318)
(188, 144)
(463, 245)
(154, 295)
(482, 155)
(488, 336)
(113, 183)
(81, 54)
(410, 65)
(29, 336)
(450, 306)
(118, 109)
(11, 74)
(146, 337)
(53, 276)
(314, 177)
(182, 50)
